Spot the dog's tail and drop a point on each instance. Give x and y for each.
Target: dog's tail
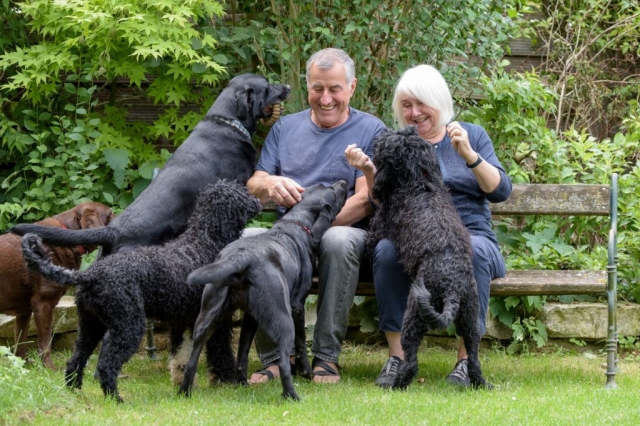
(434, 319)
(104, 236)
(38, 259)
(221, 272)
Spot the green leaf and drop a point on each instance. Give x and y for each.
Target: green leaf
(70, 88)
(108, 197)
(511, 302)
(220, 58)
(199, 68)
(29, 125)
(117, 159)
(25, 139)
(196, 44)
(118, 178)
(146, 169)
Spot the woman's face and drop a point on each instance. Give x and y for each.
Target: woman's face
(423, 117)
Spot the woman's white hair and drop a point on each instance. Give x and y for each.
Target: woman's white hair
(426, 84)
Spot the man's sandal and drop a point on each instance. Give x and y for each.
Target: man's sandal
(327, 370)
(264, 371)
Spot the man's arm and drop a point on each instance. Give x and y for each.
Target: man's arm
(281, 190)
(356, 207)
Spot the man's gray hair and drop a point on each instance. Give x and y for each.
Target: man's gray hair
(325, 59)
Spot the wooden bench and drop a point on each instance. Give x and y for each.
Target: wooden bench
(566, 200)
(545, 199)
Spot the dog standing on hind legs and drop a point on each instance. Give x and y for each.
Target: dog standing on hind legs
(219, 147)
(118, 292)
(268, 276)
(415, 212)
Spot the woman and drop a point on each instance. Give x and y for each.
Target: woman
(474, 176)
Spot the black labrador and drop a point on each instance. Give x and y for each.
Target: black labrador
(219, 147)
(268, 276)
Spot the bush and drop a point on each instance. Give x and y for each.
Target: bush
(61, 144)
(512, 114)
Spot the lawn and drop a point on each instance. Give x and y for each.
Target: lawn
(557, 386)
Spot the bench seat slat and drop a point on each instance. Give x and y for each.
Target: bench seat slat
(531, 282)
(527, 283)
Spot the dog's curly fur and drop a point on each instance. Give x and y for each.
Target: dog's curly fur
(116, 293)
(417, 214)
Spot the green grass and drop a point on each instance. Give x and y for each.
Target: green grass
(552, 388)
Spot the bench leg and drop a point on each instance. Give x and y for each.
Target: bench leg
(612, 331)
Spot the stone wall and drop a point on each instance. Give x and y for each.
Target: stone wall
(582, 321)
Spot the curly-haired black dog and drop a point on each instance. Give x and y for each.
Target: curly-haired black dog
(116, 293)
(417, 214)
(268, 276)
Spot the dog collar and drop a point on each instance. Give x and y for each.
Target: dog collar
(307, 230)
(233, 123)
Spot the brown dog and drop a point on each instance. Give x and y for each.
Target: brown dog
(23, 292)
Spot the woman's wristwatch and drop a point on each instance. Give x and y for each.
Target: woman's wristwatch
(475, 163)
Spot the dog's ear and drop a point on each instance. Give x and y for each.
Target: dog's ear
(322, 223)
(246, 99)
(91, 215)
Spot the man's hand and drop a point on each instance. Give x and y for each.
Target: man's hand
(283, 191)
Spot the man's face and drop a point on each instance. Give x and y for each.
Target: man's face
(329, 95)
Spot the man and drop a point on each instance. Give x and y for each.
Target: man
(307, 148)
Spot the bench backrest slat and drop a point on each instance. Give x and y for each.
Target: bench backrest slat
(547, 199)
(551, 199)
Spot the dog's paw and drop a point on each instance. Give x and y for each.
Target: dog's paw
(184, 392)
(485, 385)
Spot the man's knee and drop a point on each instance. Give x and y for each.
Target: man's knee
(343, 239)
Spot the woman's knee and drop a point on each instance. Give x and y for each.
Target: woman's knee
(385, 254)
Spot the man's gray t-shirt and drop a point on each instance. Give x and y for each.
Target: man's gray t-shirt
(298, 149)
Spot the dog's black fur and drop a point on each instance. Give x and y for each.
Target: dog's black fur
(116, 293)
(214, 150)
(417, 214)
(268, 276)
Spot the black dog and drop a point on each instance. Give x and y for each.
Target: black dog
(219, 147)
(417, 214)
(268, 276)
(116, 293)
